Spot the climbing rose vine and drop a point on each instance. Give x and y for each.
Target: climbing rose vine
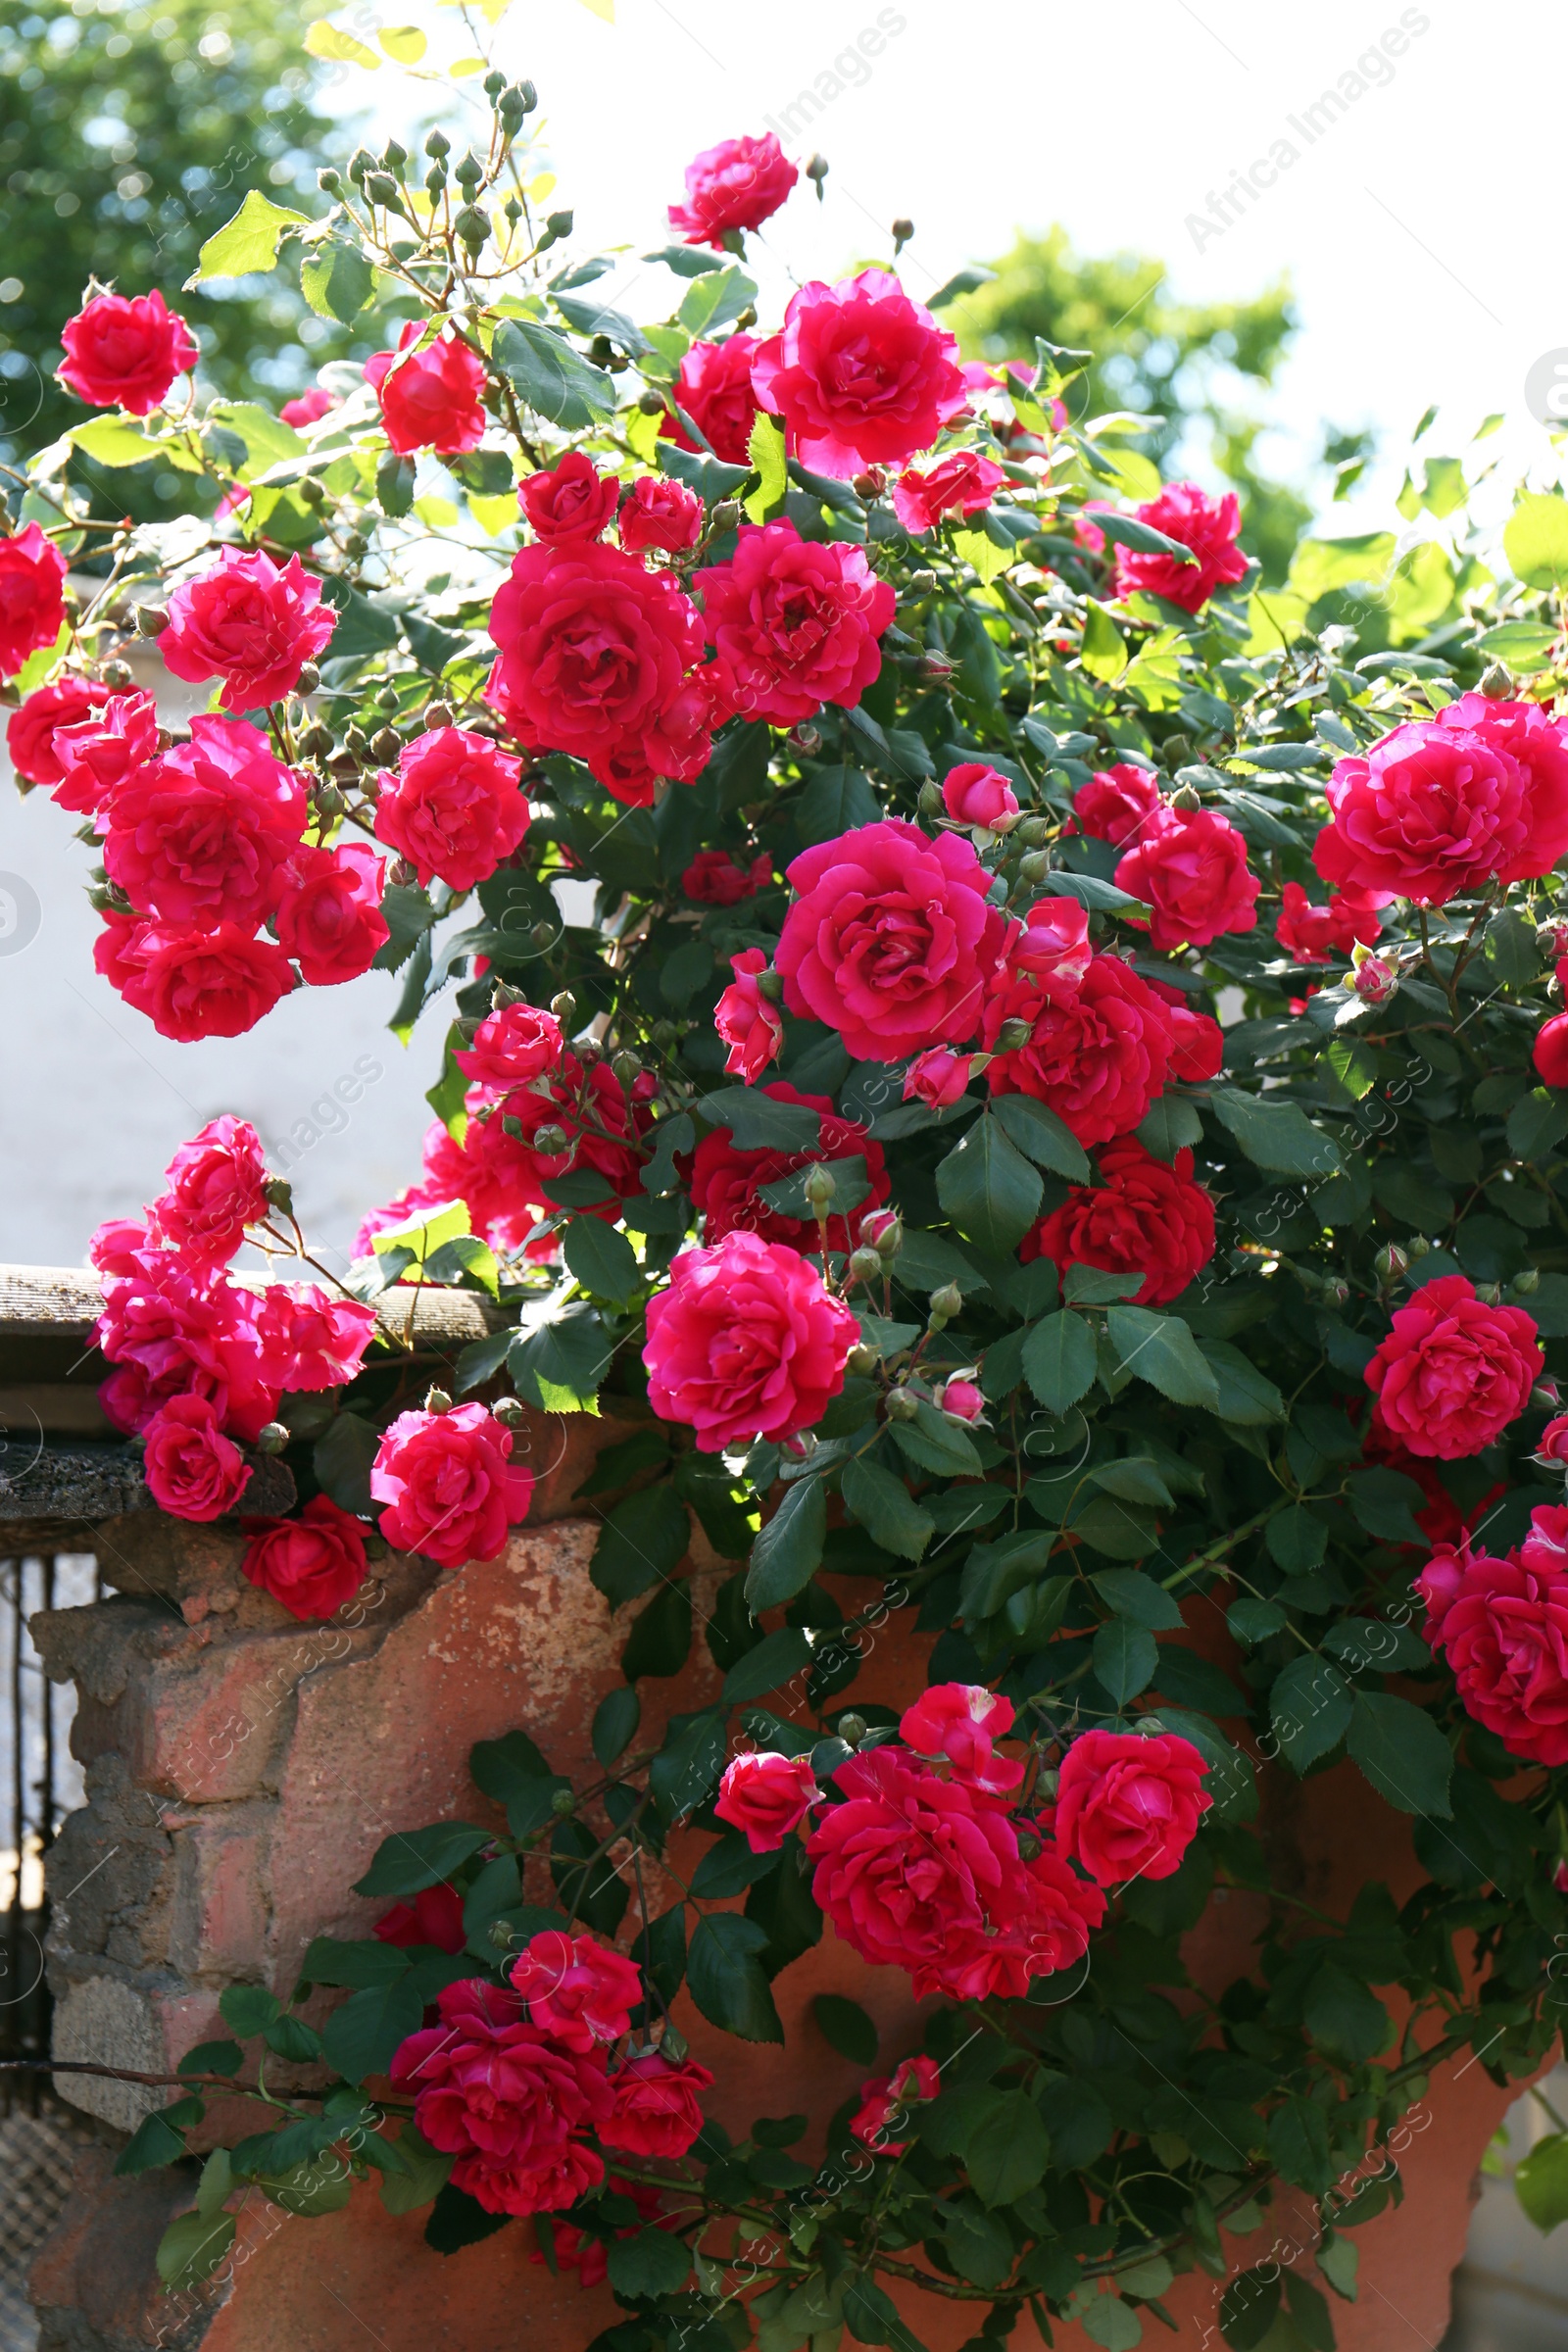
(1051, 1134)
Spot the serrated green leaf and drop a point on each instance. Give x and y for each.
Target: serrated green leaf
(726, 1978)
(988, 1187)
(1403, 1753)
(248, 242)
(1162, 1350)
(787, 1551)
(553, 378)
(886, 1510)
(1060, 1361)
(1278, 1136)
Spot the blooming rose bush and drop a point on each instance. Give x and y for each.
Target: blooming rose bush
(1056, 1128)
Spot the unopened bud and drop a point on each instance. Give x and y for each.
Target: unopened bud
(543, 935)
(1374, 980)
(627, 1068)
(151, 619)
(403, 875)
(330, 800)
(530, 96)
(1149, 1726)
(650, 403)
(1418, 1247)
(552, 1141)
(921, 583)
(1187, 798)
(1034, 865)
(500, 1934)
(510, 1412)
(882, 1230)
(851, 1728)
(1526, 1282)
(273, 1439)
(117, 674)
(903, 231)
(1496, 682)
(316, 741)
(805, 738)
(437, 1400)
(726, 514)
(931, 802)
(1545, 1395)
(771, 987)
(560, 224)
(1013, 1036)
(385, 744)
(865, 1265)
(1391, 1263)
(280, 1194)
(1336, 1291)
(820, 1187)
(565, 1008)
(937, 667)
(947, 1303)
(1029, 1847)
(861, 1359)
(902, 1404)
(1046, 1787)
(562, 1804)
(329, 182)
(869, 484)
(472, 225)
(1176, 749)
(816, 169)
(437, 143)
(1033, 831)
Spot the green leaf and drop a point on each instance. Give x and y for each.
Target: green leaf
(1385, 1502)
(1113, 2324)
(787, 1551)
(766, 449)
(886, 1510)
(1310, 2313)
(1536, 1123)
(835, 802)
(1247, 1397)
(1125, 1658)
(714, 298)
(357, 1964)
(602, 1259)
(1299, 2143)
(1137, 1597)
(1043, 1137)
(1105, 648)
(1541, 2181)
(116, 441)
(458, 2220)
(787, 1193)
(615, 1721)
(1339, 2258)
(1095, 1285)
(464, 1261)
(642, 1542)
(1060, 1361)
(1403, 1753)
(248, 2009)
(660, 1639)
(872, 2317)
(553, 378)
(989, 1190)
(336, 281)
(292, 2039)
(1162, 1350)
(776, 1660)
(726, 1980)
(364, 2036)
(1007, 2153)
(422, 2177)
(160, 2138)
(1536, 541)
(246, 243)
(342, 1459)
(759, 1124)
(846, 2027)
(1310, 1706)
(192, 2247)
(936, 1443)
(1169, 1126)
(1297, 1539)
(651, 2262)
(1248, 2307)
(1372, 1646)
(1345, 2015)
(413, 1859)
(1276, 1135)
(213, 2058)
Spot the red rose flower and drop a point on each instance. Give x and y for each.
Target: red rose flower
(429, 399)
(124, 351)
(192, 1470)
(1309, 933)
(1550, 1051)
(30, 729)
(432, 1916)
(713, 388)
(1503, 1626)
(766, 1795)
(1097, 1058)
(656, 2111)
(891, 940)
(726, 1183)
(310, 1339)
(1128, 1806)
(312, 1565)
(1189, 865)
(1196, 1040)
(973, 794)
(714, 879)
(32, 604)
(1143, 1217)
(960, 1722)
(862, 374)
(1454, 1370)
(97, 754)
(738, 184)
(937, 1079)
(454, 808)
(1052, 946)
(886, 2098)
(660, 514)
(961, 1401)
(198, 836)
(751, 1026)
(1049, 1931)
(504, 1179)
(1210, 526)
(580, 1991)
(962, 484)
(505, 2099)
(746, 1343)
(1552, 1444)
(1116, 803)
(190, 983)
(175, 1333)
(451, 1492)
(217, 1186)
(328, 914)
(573, 500)
(1538, 743)
(794, 622)
(307, 407)
(251, 624)
(513, 1047)
(594, 651)
(909, 1864)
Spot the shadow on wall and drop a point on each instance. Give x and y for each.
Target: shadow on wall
(1510, 2292)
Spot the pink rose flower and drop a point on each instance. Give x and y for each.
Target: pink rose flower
(312, 1340)
(1552, 1444)
(572, 500)
(124, 351)
(1145, 1216)
(961, 1722)
(1453, 1371)
(713, 388)
(198, 836)
(885, 2099)
(311, 1565)
(1190, 866)
(656, 2111)
(98, 754)
(909, 1863)
(794, 622)
(750, 1027)
(192, 983)
(328, 914)
(766, 1795)
(660, 514)
(890, 938)
(1310, 933)
(32, 604)
(973, 794)
(513, 1047)
(1550, 1050)
(451, 1492)
(961, 1401)
(505, 2099)
(580, 1991)
(307, 407)
(862, 374)
(454, 808)
(217, 1186)
(962, 484)
(1097, 1058)
(937, 1079)
(192, 1470)
(1116, 803)
(30, 729)
(1046, 1931)
(249, 621)
(736, 185)
(1503, 1626)
(746, 1343)
(178, 1333)
(1127, 1806)
(714, 879)
(1210, 526)
(430, 399)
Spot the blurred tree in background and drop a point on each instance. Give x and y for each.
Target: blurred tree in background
(127, 135)
(1175, 361)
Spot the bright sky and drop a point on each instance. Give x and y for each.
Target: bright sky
(1420, 220)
